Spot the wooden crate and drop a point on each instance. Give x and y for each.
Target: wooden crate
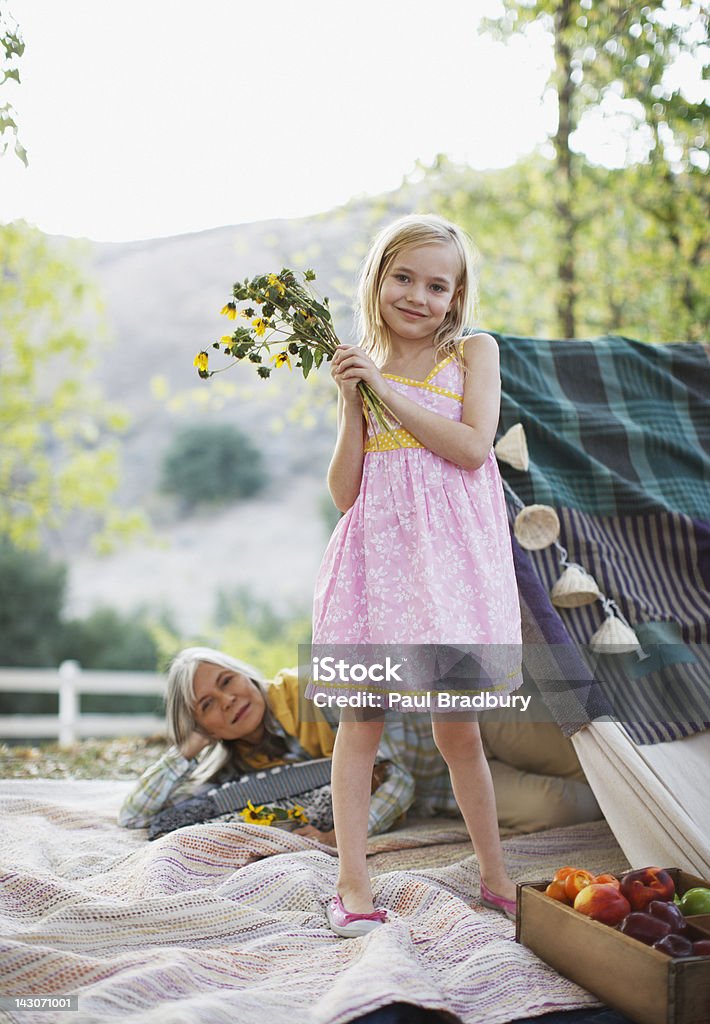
(645, 984)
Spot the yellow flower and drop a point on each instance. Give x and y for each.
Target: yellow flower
(230, 310)
(259, 326)
(298, 813)
(275, 283)
(226, 339)
(201, 361)
(252, 815)
(280, 358)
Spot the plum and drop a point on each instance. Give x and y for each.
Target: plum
(674, 945)
(644, 927)
(670, 913)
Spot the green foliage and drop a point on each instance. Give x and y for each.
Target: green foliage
(58, 453)
(628, 279)
(642, 232)
(33, 634)
(110, 640)
(251, 630)
(212, 463)
(32, 591)
(11, 49)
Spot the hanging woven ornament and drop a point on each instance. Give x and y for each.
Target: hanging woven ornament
(574, 588)
(615, 635)
(536, 527)
(513, 448)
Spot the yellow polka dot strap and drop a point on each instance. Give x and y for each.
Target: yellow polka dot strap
(388, 442)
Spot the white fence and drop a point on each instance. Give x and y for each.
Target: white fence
(70, 681)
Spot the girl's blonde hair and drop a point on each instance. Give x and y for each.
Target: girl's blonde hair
(415, 230)
(180, 714)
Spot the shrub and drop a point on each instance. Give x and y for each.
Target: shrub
(110, 640)
(213, 463)
(32, 590)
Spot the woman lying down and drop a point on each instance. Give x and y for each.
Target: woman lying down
(224, 720)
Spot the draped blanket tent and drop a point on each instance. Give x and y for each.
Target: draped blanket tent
(618, 434)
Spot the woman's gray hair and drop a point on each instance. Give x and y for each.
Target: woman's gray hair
(180, 704)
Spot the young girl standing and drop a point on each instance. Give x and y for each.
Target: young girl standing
(422, 554)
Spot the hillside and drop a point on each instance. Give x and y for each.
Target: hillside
(162, 299)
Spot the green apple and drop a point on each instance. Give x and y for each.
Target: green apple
(695, 901)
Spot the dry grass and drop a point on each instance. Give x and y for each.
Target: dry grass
(125, 757)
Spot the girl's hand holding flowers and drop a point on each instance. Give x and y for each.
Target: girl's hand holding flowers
(351, 365)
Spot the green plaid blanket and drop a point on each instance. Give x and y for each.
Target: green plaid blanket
(619, 440)
(614, 426)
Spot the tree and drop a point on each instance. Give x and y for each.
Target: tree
(625, 50)
(212, 463)
(11, 49)
(58, 451)
(57, 454)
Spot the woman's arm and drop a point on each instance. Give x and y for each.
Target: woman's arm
(466, 443)
(161, 784)
(392, 799)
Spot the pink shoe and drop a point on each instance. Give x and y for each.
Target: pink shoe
(342, 922)
(494, 902)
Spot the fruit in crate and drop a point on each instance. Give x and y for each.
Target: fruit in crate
(576, 881)
(701, 947)
(561, 873)
(647, 884)
(695, 901)
(556, 889)
(644, 927)
(609, 880)
(669, 912)
(674, 945)
(602, 901)
(567, 882)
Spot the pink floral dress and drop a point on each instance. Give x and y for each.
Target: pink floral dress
(424, 555)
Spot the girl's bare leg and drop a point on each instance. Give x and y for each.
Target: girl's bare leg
(461, 747)
(354, 753)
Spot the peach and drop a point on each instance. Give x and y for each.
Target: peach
(556, 890)
(603, 902)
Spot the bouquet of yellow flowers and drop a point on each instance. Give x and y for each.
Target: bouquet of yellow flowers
(283, 311)
(268, 814)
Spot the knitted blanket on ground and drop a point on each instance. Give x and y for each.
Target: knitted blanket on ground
(225, 922)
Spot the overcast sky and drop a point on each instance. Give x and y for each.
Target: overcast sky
(157, 117)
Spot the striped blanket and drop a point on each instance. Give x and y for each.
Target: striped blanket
(619, 440)
(225, 922)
